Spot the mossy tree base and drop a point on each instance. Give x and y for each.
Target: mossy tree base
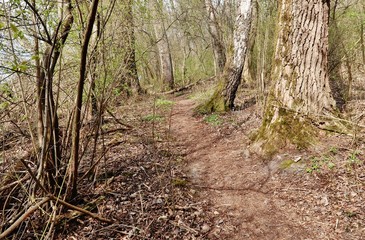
(282, 127)
(216, 102)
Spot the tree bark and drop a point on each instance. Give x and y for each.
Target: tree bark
(300, 76)
(225, 92)
(129, 69)
(80, 90)
(48, 127)
(301, 70)
(240, 45)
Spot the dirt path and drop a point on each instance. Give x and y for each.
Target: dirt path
(242, 188)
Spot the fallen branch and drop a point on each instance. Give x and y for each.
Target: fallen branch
(22, 218)
(39, 184)
(118, 121)
(189, 86)
(13, 183)
(70, 206)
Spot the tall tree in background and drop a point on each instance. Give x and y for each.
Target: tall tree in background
(163, 45)
(300, 75)
(217, 37)
(223, 98)
(129, 75)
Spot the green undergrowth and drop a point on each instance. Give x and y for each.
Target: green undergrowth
(316, 164)
(213, 119)
(162, 107)
(163, 103)
(328, 160)
(215, 103)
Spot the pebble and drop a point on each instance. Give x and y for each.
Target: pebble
(205, 228)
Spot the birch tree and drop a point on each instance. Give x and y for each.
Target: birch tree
(163, 45)
(223, 98)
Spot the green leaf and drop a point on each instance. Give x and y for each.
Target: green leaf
(13, 28)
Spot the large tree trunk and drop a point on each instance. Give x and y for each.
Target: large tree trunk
(225, 93)
(129, 69)
(301, 74)
(240, 45)
(217, 38)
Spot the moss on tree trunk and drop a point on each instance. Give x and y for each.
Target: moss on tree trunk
(216, 102)
(282, 127)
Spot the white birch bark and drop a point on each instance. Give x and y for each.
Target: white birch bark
(240, 45)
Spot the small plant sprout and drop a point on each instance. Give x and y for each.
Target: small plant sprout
(333, 150)
(213, 119)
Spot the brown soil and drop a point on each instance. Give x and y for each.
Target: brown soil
(178, 176)
(256, 198)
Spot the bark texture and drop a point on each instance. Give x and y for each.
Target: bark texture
(80, 89)
(301, 70)
(129, 69)
(300, 75)
(48, 127)
(225, 92)
(240, 45)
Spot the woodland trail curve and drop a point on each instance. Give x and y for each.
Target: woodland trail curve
(240, 187)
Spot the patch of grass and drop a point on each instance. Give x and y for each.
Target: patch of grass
(152, 118)
(164, 103)
(353, 158)
(177, 182)
(213, 119)
(319, 163)
(333, 150)
(286, 164)
(203, 96)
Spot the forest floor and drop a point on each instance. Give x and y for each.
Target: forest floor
(313, 194)
(166, 173)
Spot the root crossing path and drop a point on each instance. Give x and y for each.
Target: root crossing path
(241, 188)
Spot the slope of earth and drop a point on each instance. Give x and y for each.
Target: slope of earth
(312, 194)
(166, 174)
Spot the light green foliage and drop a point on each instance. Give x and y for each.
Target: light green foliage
(17, 33)
(164, 103)
(353, 158)
(213, 119)
(319, 163)
(6, 91)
